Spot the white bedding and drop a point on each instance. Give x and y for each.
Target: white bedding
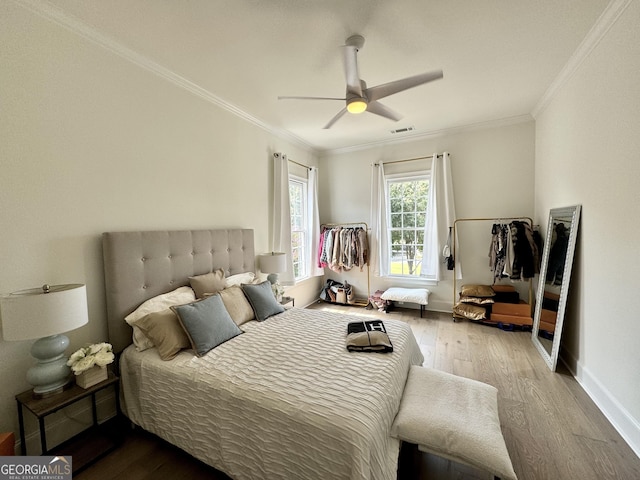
(284, 400)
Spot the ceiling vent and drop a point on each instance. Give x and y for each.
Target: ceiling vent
(403, 129)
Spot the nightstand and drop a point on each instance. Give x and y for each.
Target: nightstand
(286, 300)
(90, 444)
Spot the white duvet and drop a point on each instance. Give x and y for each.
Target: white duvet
(284, 400)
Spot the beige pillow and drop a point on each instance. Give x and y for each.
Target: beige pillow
(477, 300)
(209, 283)
(237, 305)
(470, 311)
(159, 303)
(477, 291)
(164, 330)
(455, 418)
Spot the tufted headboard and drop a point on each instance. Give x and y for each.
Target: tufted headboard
(141, 265)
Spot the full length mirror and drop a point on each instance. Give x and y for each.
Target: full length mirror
(553, 286)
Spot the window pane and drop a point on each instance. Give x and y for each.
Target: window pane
(408, 220)
(407, 204)
(396, 237)
(299, 236)
(395, 191)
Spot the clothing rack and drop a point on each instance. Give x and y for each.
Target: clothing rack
(366, 229)
(495, 220)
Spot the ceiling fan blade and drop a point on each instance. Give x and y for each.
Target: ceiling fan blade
(351, 70)
(383, 111)
(310, 98)
(386, 89)
(335, 119)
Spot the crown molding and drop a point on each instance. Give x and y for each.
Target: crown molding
(501, 122)
(599, 30)
(75, 25)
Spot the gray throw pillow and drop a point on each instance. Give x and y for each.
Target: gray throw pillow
(262, 300)
(207, 323)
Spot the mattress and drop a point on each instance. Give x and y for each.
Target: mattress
(284, 400)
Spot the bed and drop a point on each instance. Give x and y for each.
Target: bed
(284, 399)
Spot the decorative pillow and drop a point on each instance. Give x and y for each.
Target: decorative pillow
(262, 300)
(165, 331)
(477, 291)
(240, 278)
(477, 300)
(470, 311)
(179, 296)
(207, 323)
(453, 417)
(237, 305)
(208, 283)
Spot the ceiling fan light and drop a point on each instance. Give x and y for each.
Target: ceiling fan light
(357, 105)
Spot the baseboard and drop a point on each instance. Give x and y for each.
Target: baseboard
(436, 306)
(627, 426)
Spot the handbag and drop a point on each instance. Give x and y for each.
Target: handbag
(446, 253)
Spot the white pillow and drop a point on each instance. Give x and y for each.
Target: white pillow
(240, 278)
(179, 296)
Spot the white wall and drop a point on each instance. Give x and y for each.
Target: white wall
(587, 152)
(492, 171)
(91, 143)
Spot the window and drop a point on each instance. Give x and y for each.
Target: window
(406, 207)
(299, 226)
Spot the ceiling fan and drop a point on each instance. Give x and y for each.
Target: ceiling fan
(358, 97)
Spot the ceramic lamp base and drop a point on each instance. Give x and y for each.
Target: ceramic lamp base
(50, 374)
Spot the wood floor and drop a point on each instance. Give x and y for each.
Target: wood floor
(552, 429)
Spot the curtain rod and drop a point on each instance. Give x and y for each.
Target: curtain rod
(293, 161)
(299, 164)
(409, 160)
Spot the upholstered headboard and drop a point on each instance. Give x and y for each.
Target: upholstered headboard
(141, 265)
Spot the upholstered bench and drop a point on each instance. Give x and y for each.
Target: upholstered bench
(455, 418)
(411, 295)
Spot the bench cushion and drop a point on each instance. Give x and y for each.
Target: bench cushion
(453, 417)
(413, 295)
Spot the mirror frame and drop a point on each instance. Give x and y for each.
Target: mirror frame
(572, 212)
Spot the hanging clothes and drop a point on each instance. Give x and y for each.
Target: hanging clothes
(513, 252)
(343, 248)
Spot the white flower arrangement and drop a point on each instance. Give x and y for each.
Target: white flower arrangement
(278, 290)
(100, 354)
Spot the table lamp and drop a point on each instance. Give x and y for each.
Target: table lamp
(273, 263)
(45, 313)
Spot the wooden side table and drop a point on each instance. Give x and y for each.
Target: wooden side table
(43, 407)
(286, 300)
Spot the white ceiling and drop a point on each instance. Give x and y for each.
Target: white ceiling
(498, 56)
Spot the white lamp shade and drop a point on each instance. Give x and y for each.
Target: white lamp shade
(273, 262)
(32, 313)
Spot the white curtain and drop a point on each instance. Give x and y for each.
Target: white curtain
(378, 244)
(281, 231)
(441, 214)
(314, 222)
